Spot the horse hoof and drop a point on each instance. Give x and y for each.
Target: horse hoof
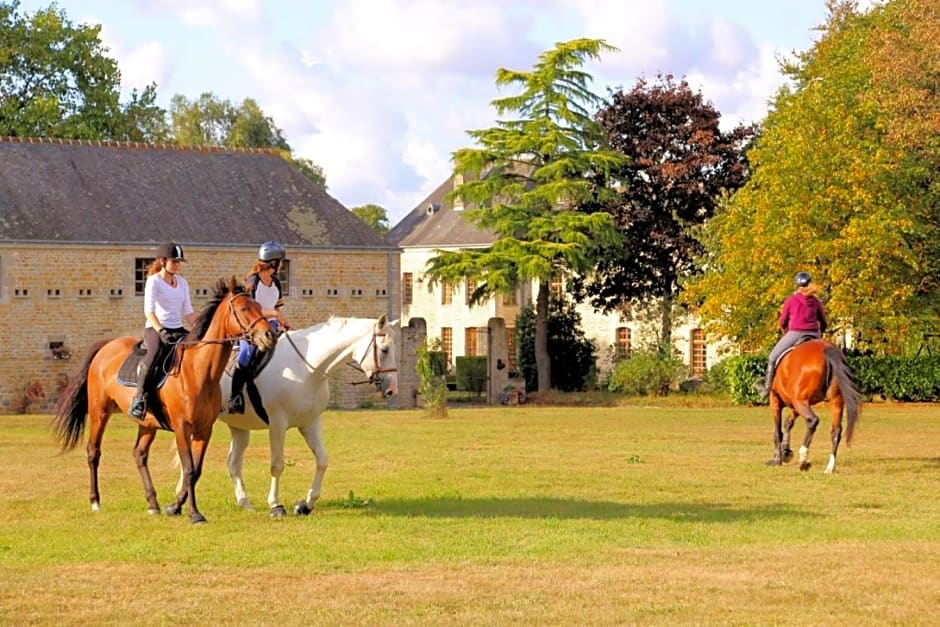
(787, 456)
(773, 462)
(302, 509)
(154, 512)
(246, 505)
(278, 511)
(197, 518)
(172, 510)
(804, 466)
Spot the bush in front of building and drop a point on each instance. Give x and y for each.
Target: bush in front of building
(647, 372)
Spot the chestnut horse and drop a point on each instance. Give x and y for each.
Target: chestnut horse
(190, 398)
(810, 373)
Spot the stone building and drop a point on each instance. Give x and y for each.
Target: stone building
(437, 224)
(80, 221)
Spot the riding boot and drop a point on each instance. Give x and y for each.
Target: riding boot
(236, 404)
(138, 406)
(764, 389)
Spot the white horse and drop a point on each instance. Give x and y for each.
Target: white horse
(295, 390)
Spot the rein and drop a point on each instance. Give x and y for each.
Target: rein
(373, 378)
(245, 332)
(304, 359)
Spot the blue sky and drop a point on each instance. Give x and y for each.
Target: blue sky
(380, 93)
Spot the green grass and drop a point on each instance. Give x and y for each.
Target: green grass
(518, 515)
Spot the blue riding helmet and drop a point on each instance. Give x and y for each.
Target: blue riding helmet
(271, 251)
(802, 279)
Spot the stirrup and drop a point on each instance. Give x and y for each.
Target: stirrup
(236, 404)
(138, 409)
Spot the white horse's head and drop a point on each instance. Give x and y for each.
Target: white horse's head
(377, 356)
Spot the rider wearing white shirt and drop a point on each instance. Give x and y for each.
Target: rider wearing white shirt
(166, 304)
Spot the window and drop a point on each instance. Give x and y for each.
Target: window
(555, 287)
(511, 345)
(407, 288)
(283, 275)
(622, 343)
(447, 293)
(470, 341)
(140, 274)
(511, 299)
(697, 350)
(447, 343)
(471, 285)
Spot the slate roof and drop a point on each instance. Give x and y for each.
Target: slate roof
(435, 224)
(119, 192)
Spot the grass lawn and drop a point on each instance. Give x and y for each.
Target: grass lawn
(508, 515)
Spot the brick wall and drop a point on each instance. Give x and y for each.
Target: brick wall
(72, 294)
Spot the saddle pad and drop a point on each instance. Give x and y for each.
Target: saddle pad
(162, 364)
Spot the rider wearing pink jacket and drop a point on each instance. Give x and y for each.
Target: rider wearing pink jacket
(802, 314)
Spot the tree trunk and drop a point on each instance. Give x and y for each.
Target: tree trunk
(665, 331)
(543, 364)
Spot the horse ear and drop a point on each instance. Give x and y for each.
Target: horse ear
(233, 284)
(382, 320)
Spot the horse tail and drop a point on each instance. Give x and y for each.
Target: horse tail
(840, 370)
(72, 407)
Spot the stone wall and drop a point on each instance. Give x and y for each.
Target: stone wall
(56, 299)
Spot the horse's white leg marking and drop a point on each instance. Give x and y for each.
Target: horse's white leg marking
(236, 461)
(831, 466)
(276, 436)
(804, 454)
(95, 507)
(313, 434)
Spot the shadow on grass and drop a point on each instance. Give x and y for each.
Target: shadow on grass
(456, 507)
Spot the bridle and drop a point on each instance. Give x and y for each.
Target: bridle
(373, 378)
(245, 330)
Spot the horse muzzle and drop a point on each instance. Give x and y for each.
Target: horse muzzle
(264, 339)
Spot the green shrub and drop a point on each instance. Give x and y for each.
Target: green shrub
(743, 371)
(906, 379)
(471, 374)
(431, 386)
(646, 372)
(717, 377)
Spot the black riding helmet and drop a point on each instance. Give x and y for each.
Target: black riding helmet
(171, 250)
(802, 279)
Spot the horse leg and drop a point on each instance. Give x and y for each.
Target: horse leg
(145, 437)
(812, 421)
(276, 436)
(835, 432)
(98, 420)
(777, 410)
(787, 452)
(198, 445)
(236, 461)
(183, 433)
(313, 434)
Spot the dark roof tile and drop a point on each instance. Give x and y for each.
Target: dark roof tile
(83, 191)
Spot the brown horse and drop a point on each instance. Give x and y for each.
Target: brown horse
(190, 399)
(810, 373)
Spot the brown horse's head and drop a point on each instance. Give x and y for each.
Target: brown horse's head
(242, 317)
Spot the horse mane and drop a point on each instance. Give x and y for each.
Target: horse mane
(222, 289)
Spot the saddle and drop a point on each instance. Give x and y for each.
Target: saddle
(162, 365)
(799, 340)
(255, 367)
